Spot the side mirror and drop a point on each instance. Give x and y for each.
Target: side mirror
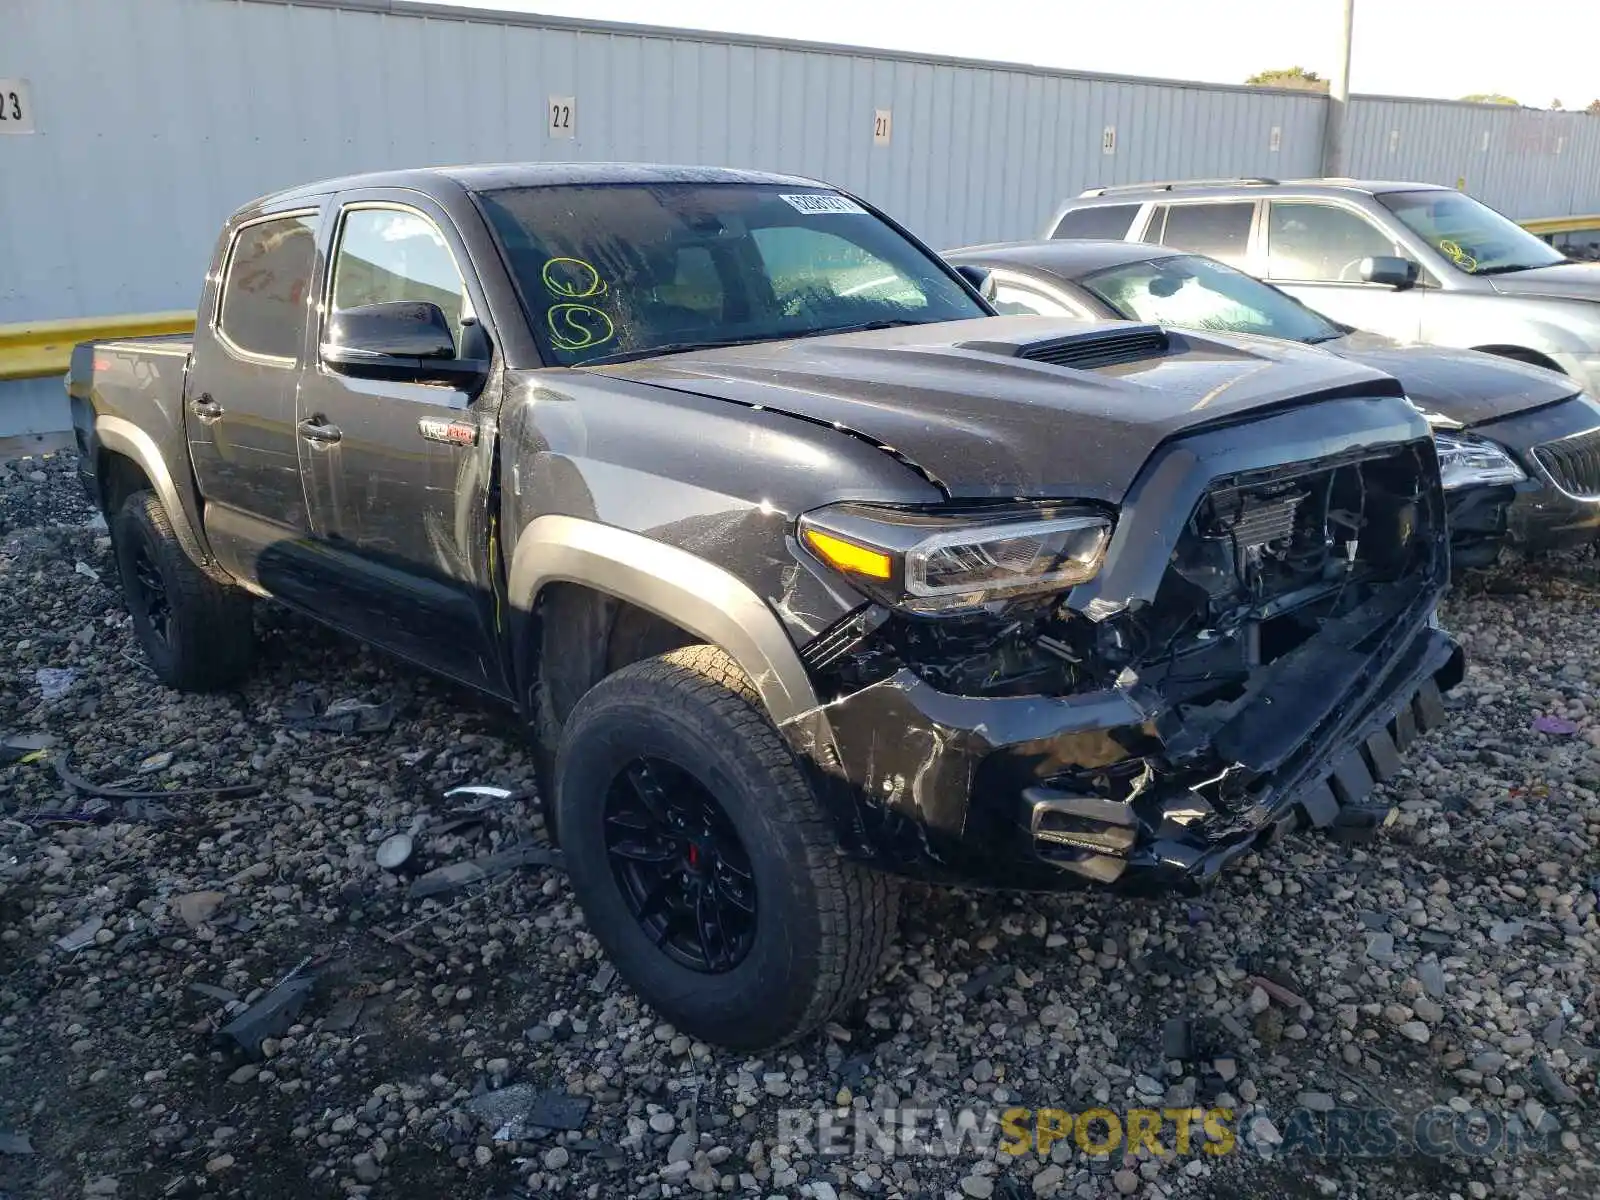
(1390, 270)
(399, 339)
(979, 278)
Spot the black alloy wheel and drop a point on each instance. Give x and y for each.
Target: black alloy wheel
(684, 874)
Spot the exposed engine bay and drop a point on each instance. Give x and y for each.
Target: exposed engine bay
(1265, 560)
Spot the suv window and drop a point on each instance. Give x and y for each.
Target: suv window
(1019, 300)
(1320, 242)
(1108, 221)
(1219, 230)
(263, 304)
(394, 254)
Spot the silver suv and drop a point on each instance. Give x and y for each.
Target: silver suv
(1414, 261)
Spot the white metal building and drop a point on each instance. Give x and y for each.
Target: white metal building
(147, 121)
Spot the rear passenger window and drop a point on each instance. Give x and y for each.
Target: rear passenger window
(263, 309)
(1105, 221)
(1219, 230)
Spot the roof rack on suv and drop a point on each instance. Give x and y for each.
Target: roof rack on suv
(1172, 185)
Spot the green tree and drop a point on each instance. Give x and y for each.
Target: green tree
(1490, 98)
(1293, 77)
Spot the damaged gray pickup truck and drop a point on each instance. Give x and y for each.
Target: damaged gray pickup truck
(806, 571)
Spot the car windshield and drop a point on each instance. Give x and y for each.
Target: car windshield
(1472, 237)
(610, 272)
(1201, 293)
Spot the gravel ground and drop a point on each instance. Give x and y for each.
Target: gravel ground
(1452, 961)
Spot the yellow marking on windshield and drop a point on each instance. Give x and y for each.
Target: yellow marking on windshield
(1457, 255)
(578, 326)
(572, 278)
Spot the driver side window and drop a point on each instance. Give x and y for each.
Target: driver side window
(1320, 242)
(388, 254)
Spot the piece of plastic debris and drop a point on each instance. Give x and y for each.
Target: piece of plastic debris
(343, 1015)
(269, 1016)
(15, 1142)
(213, 992)
(516, 1111)
(457, 875)
(1177, 1039)
(1276, 991)
(603, 979)
(78, 783)
(197, 908)
(1556, 725)
(24, 747)
(159, 761)
(342, 716)
(394, 850)
(84, 569)
(479, 795)
(55, 682)
(82, 936)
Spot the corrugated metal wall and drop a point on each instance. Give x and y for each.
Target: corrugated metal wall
(157, 118)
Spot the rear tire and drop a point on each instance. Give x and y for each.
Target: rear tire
(796, 931)
(197, 633)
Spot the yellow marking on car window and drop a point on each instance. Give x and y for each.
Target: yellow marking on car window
(572, 278)
(578, 326)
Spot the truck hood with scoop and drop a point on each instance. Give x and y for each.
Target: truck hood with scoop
(1465, 385)
(1021, 406)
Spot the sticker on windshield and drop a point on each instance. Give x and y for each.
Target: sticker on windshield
(818, 204)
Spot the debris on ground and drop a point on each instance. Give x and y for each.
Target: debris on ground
(346, 715)
(515, 1113)
(454, 876)
(82, 936)
(270, 1016)
(54, 682)
(1556, 725)
(1487, 885)
(196, 908)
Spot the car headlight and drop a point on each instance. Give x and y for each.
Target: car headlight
(925, 561)
(1466, 461)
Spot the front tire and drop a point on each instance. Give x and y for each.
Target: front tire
(197, 633)
(703, 860)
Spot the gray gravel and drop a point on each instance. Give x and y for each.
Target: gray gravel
(1450, 962)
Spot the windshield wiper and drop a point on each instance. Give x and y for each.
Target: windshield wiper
(1326, 337)
(673, 348)
(1507, 268)
(748, 340)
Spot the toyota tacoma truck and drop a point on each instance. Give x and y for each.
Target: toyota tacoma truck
(807, 572)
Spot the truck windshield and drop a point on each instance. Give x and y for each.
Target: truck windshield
(1203, 294)
(610, 272)
(1472, 237)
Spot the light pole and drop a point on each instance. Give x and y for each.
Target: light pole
(1333, 151)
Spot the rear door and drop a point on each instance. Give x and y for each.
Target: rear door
(1314, 250)
(398, 474)
(239, 395)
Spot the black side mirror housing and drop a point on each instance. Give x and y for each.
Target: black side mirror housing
(979, 278)
(1390, 270)
(398, 339)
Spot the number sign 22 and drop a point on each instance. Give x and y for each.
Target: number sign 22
(563, 116)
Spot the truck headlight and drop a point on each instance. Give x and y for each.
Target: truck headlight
(927, 561)
(1467, 461)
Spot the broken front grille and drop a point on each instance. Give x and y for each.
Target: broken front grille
(1573, 464)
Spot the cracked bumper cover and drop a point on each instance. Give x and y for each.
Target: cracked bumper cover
(966, 790)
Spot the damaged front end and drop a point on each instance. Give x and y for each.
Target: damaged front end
(1254, 652)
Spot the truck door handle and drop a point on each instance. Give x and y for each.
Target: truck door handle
(318, 432)
(205, 409)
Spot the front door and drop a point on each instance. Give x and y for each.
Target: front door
(1314, 252)
(398, 474)
(239, 395)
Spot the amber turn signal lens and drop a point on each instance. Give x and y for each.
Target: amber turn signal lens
(847, 556)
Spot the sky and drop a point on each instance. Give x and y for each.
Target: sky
(1535, 51)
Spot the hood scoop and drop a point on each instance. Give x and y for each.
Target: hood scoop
(1091, 350)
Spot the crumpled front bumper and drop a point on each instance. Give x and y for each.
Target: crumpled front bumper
(968, 790)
